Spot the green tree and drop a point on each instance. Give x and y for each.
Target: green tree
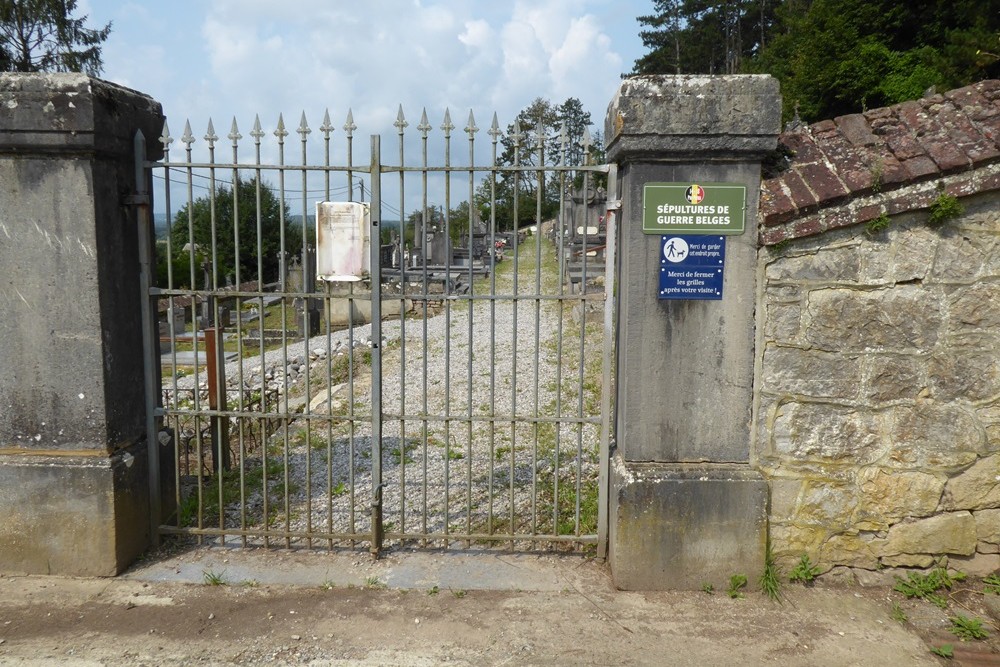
(194, 224)
(831, 57)
(834, 57)
(704, 36)
(541, 135)
(43, 36)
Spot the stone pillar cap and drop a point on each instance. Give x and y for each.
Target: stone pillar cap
(693, 117)
(67, 112)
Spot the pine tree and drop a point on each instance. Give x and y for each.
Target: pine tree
(43, 36)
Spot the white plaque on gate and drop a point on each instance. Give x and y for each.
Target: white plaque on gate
(343, 245)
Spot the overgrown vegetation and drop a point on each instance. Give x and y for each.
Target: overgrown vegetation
(946, 651)
(213, 578)
(770, 579)
(927, 586)
(804, 571)
(946, 207)
(831, 57)
(966, 628)
(737, 583)
(876, 225)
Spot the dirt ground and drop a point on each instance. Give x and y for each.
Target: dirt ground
(229, 607)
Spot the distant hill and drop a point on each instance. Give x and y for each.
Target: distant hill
(161, 225)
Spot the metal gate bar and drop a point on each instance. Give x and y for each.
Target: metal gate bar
(493, 494)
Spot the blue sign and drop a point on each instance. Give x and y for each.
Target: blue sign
(691, 266)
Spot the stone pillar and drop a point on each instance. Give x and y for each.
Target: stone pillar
(73, 473)
(686, 508)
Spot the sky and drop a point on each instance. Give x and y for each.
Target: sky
(239, 59)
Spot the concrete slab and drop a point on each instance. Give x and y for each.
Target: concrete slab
(410, 570)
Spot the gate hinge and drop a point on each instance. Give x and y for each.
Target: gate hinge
(614, 204)
(137, 200)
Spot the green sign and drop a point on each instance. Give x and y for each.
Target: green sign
(693, 208)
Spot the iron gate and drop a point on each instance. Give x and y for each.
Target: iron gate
(459, 396)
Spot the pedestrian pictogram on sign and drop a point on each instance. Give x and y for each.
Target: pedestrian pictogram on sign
(691, 267)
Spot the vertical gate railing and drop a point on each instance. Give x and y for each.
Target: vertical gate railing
(475, 411)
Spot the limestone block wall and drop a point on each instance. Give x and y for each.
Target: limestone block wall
(879, 403)
(877, 410)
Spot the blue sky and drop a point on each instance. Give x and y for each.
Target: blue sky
(226, 59)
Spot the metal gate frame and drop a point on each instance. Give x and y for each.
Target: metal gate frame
(159, 416)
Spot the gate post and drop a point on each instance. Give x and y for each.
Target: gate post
(73, 464)
(686, 507)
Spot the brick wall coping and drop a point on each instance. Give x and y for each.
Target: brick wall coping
(854, 168)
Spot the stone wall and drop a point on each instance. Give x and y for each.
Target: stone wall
(878, 367)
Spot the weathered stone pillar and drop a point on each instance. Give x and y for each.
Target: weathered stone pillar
(73, 480)
(686, 507)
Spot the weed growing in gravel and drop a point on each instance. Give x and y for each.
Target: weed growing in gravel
(966, 628)
(926, 586)
(375, 583)
(433, 590)
(991, 584)
(207, 502)
(737, 583)
(804, 571)
(897, 613)
(770, 579)
(708, 588)
(946, 651)
(214, 578)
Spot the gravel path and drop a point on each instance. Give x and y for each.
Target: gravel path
(478, 416)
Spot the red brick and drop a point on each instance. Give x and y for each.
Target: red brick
(855, 165)
(990, 183)
(888, 124)
(990, 128)
(876, 114)
(842, 217)
(912, 115)
(962, 187)
(823, 126)
(990, 89)
(856, 129)
(892, 171)
(775, 206)
(945, 153)
(803, 147)
(903, 144)
(823, 182)
(866, 213)
(919, 167)
(772, 236)
(969, 139)
(798, 191)
(904, 202)
(807, 227)
(972, 103)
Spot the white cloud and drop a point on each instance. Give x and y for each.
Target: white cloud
(245, 57)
